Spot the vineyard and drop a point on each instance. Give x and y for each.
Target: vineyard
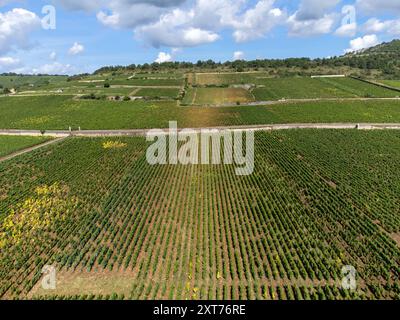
(160, 92)
(296, 88)
(121, 228)
(212, 96)
(391, 83)
(60, 112)
(267, 87)
(10, 144)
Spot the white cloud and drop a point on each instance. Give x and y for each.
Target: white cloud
(313, 17)
(76, 49)
(133, 13)
(111, 20)
(163, 57)
(314, 9)
(115, 5)
(7, 63)
(185, 23)
(374, 6)
(53, 68)
(189, 23)
(374, 25)
(363, 43)
(15, 26)
(174, 30)
(84, 5)
(319, 26)
(49, 68)
(194, 36)
(53, 56)
(238, 55)
(347, 30)
(258, 21)
(203, 22)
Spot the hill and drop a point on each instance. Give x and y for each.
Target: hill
(384, 48)
(379, 61)
(384, 57)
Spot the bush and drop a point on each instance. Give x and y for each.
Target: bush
(92, 96)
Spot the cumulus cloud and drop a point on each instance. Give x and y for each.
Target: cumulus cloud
(163, 57)
(49, 68)
(347, 30)
(53, 68)
(7, 63)
(182, 22)
(375, 25)
(313, 17)
(312, 27)
(80, 5)
(174, 30)
(256, 22)
(91, 5)
(373, 6)
(314, 9)
(195, 36)
(53, 56)
(134, 13)
(130, 16)
(10, 64)
(202, 23)
(77, 48)
(363, 43)
(15, 27)
(188, 23)
(238, 55)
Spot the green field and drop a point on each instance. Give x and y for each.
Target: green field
(98, 91)
(10, 144)
(25, 83)
(158, 93)
(150, 81)
(229, 78)
(308, 88)
(267, 88)
(61, 112)
(317, 201)
(90, 84)
(391, 83)
(218, 96)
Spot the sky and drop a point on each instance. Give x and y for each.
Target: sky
(77, 36)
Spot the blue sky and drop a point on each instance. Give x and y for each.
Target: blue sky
(93, 33)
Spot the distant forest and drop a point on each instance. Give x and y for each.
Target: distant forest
(384, 58)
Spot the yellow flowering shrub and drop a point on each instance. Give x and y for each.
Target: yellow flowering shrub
(113, 145)
(38, 213)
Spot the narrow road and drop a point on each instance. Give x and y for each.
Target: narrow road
(144, 132)
(23, 151)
